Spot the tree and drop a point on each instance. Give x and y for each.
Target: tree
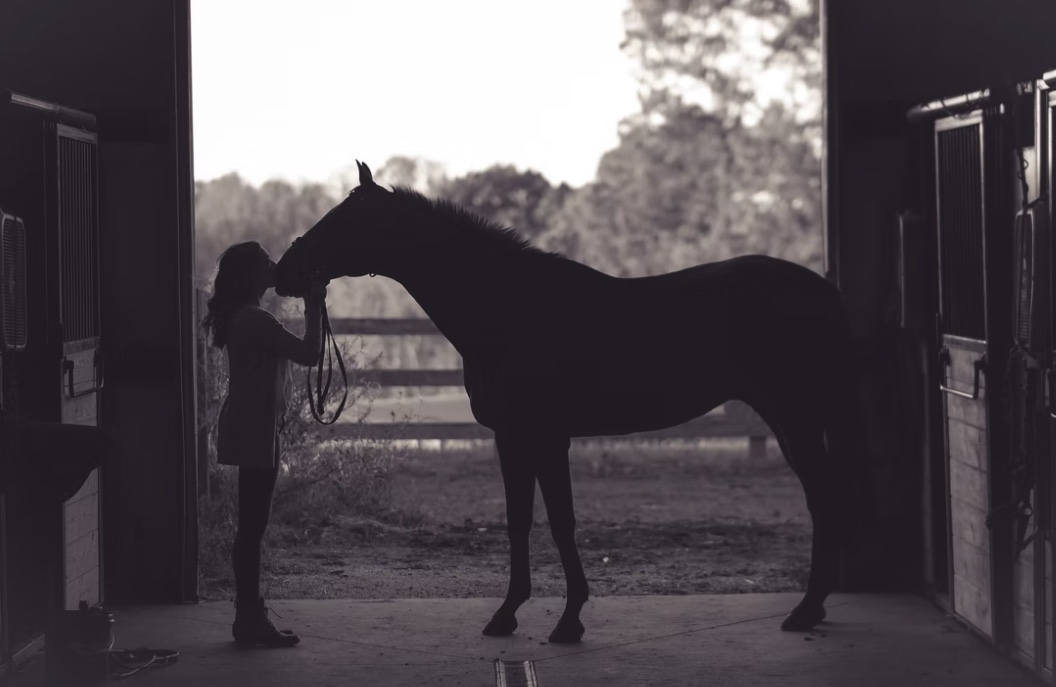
(229, 210)
(523, 200)
(222, 208)
(719, 51)
(425, 176)
(689, 190)
(708, 169)
(418, 173)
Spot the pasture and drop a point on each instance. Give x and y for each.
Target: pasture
(671, 518)
(387, 520)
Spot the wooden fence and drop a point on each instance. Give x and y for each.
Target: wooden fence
(737, 420)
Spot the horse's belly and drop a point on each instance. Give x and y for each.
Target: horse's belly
(639, 408)
(622, 402)
(620, 393)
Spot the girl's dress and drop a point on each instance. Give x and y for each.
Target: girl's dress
(258, 348)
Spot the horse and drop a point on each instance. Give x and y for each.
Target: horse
(553, 349)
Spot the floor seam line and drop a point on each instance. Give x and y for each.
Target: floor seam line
(677, 634)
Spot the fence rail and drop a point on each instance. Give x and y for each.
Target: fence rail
(707, 427)
(384, 326)
(738, 420)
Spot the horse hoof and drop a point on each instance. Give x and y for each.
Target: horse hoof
(803, 619)
(567, 632)
(500, 626)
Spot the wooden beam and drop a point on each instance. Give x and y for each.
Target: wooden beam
(384, 326)
(413, 377)
(697, 429)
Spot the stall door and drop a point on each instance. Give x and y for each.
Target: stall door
(74, 228)
(959, 147)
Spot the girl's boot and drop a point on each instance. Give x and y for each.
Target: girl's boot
(252, 625)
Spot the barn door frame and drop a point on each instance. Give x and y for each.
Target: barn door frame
(1046, 180)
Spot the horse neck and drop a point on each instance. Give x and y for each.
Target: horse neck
(455, 290)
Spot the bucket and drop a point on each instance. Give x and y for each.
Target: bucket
(82, 645)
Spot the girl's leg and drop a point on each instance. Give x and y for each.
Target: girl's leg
(252, 626)
(255, 489)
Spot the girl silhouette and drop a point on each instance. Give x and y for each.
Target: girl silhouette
(258, 348)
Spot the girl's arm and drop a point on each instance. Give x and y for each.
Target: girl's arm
(267, 332)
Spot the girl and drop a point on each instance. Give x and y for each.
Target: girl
(253, 415)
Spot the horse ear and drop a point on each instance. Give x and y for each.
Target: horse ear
(365, 177)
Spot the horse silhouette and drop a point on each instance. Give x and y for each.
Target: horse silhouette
(553, 349)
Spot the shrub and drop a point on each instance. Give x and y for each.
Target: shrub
(320, 480)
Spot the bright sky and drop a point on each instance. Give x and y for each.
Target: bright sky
(299, 90)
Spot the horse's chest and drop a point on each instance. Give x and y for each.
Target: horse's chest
(498, 391)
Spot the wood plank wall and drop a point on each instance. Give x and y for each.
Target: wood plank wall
(969, 500)
(81, 530)
(1023, 595)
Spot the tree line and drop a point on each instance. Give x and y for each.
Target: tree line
(711, 167)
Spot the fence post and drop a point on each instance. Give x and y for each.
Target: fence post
(740, 413)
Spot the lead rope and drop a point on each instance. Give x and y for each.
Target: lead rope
(318, 403)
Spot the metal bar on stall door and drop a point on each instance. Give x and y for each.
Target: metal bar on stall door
(1048, 610)
(5, 634)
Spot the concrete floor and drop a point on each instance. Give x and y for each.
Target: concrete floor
(727, 640)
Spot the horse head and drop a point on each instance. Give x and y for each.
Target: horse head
(343, 243)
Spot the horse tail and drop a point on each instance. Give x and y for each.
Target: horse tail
(845, 426)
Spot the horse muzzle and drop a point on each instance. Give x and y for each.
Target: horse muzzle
(287, 290)
(295, 286)
(291, 283)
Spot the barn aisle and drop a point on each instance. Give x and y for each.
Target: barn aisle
(728, 640)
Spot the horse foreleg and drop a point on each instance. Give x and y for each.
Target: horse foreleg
(518, 479)
(556, 485)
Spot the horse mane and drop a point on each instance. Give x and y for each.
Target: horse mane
(456, 220)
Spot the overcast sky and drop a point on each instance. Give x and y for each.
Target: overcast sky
(299, 90)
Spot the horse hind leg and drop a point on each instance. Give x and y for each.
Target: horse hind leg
(805, 450)
(556, 484)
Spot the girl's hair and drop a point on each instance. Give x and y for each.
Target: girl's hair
(233, 287)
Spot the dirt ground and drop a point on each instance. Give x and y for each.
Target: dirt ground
(667, 520)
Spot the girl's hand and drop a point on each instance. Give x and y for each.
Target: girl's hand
(316, 295)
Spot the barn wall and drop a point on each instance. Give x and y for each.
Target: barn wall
(127, 62)
(882, 58)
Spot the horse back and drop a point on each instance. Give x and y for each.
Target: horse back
(600, 353)
(714, 305)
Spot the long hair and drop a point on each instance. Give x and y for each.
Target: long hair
(232, 289)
